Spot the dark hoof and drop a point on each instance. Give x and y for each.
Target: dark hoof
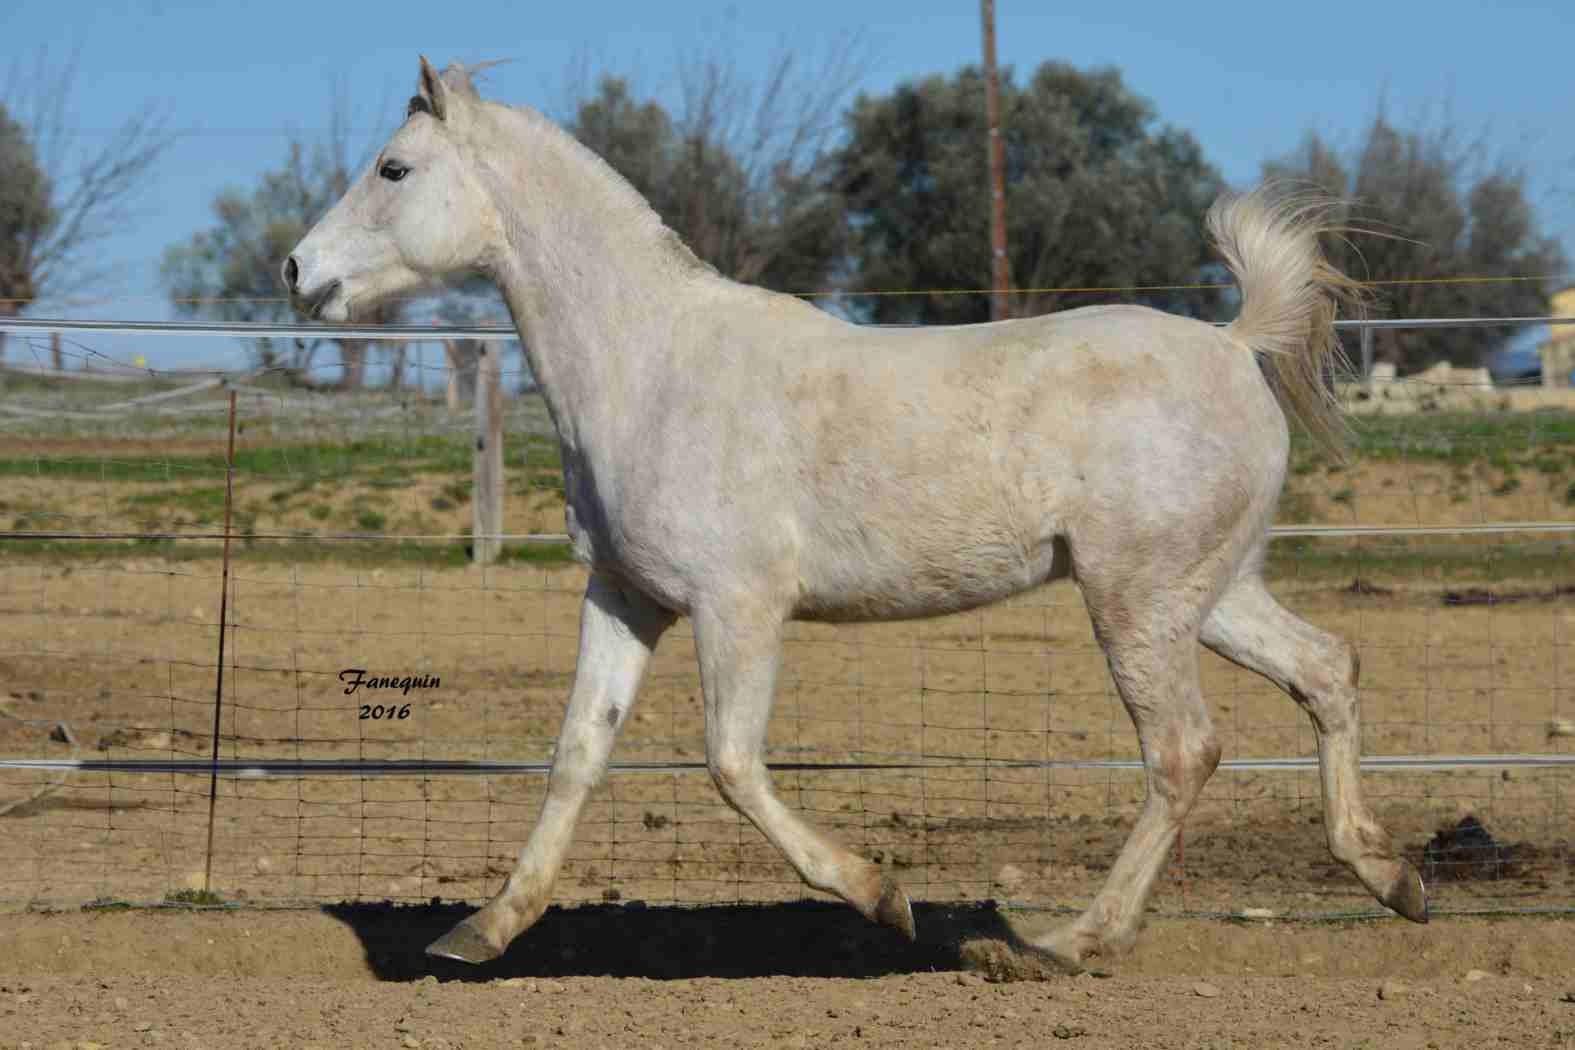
(894, 909)
(464, 943)
(1408, 896)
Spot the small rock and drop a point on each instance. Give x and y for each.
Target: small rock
(1257, 913)
(1477, 975)
(1568, 997)
(121, 1003)
(969, 979)
(410, 1042)
(1064, 1031)
(1393, 989)
(142, 1026)
(403, 1025)
(1205, 989)
(1010, 875)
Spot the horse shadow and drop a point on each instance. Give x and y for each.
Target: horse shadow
(795, 939)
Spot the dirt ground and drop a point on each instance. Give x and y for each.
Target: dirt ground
(783, 976)
(121, 652)
(687, 928)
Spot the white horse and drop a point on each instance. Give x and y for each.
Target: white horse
(745, 459)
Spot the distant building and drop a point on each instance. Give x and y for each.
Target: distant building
(1558, 353)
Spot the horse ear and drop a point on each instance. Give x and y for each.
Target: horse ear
(431, 90)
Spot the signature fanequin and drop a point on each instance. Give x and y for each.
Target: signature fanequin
(404, 684)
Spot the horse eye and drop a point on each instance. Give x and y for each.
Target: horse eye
(393, 172)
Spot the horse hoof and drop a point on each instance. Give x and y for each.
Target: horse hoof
(1408, 896)
(894, 910)
(464, 943)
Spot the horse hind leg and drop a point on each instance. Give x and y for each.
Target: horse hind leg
(1319, 670)
(1154, 662)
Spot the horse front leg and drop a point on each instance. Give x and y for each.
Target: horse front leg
(619, 628)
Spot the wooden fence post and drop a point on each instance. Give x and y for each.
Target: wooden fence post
(486, 498)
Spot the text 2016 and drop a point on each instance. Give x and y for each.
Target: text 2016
(385, 711)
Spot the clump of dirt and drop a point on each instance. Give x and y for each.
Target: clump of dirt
(1483, 596)
(1363, 587)
(1000, 963)
(1468, 851)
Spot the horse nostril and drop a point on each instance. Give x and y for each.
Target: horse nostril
(292, 273)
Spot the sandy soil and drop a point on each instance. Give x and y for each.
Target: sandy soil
(122, 653)
(795, 976)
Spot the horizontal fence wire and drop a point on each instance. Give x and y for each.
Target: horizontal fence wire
(1278, 531)
(259, 770)
(508, 333)
(979, 756)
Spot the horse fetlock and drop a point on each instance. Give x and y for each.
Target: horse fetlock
(1361, 841)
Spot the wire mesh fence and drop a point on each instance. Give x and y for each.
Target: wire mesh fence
(980, 755)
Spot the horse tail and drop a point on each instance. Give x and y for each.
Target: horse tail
(1289, 297)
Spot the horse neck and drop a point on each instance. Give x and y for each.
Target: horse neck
(593, 281)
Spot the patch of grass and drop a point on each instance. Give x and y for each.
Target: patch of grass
(199, 898)
(320, 512)
(1296, 508)
(1549, 464)
(205, 503)
(1458, 437)
(371, 520)
(107, 904)
(1345, 495)
(1505, 487)
(368, 554)
(1553, 561)
(384, 458)
(1569, 494)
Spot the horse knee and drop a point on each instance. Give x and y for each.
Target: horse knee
(733, 774)
(1185, 767)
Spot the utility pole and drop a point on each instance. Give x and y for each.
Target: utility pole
(1000, 270)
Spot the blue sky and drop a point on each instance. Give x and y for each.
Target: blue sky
(1248, 79)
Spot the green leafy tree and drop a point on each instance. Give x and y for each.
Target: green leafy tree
(1439, 226)
(1097, 196)
(26, 215)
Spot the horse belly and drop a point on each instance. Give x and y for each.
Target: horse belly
(868, 583)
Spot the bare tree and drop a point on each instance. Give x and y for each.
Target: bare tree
(1443, 222)
(77, 194)
(738, 167)
(230, 271)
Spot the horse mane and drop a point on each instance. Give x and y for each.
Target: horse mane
(540, 124)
